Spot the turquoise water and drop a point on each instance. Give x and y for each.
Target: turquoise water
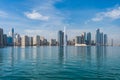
(60, 63)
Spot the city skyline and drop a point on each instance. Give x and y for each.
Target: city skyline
(59, 39)
(83, 39)
(47, 17)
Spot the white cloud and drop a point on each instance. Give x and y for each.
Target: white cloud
(36, 16)
(46, 11)
(3, 14)
(97, 19)
(110, 14)
(50, 16)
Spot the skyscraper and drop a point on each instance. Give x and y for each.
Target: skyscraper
(9, 41)
(105, 39)
(13, 36)
(66, 40)
(4, 39)
(111, 42)
(25, 41)
(36, 40)
(101, 38)
(45, 42)
(52, 42)
(98, 37)
(1, 37)
(61, 38)
(78, 40)
(31, 41)
(17, 40)
(88, 38)
(65, 37)
(83, 38)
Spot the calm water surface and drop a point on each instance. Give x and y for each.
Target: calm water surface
(60, 63)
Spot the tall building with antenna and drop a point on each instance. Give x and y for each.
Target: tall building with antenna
(65, 37)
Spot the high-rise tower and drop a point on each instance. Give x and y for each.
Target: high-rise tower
(105, 39)
(61, 38)
(1, 37)
(98, 37)
(65, 37)
(101, 38)
(13, 35)
(88, 38)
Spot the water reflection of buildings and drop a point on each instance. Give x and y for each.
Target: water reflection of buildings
(89, 57)
(21, 53)
(84, 54)
(36, 53)
(62, 54)
(1, 56)
(80, 51)
(12, 56)
(6, 59)
(101, 55)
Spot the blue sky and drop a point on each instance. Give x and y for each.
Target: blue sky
(43, 17)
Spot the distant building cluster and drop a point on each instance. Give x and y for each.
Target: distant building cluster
(101, 39)
(14, 39)
(83, 39)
